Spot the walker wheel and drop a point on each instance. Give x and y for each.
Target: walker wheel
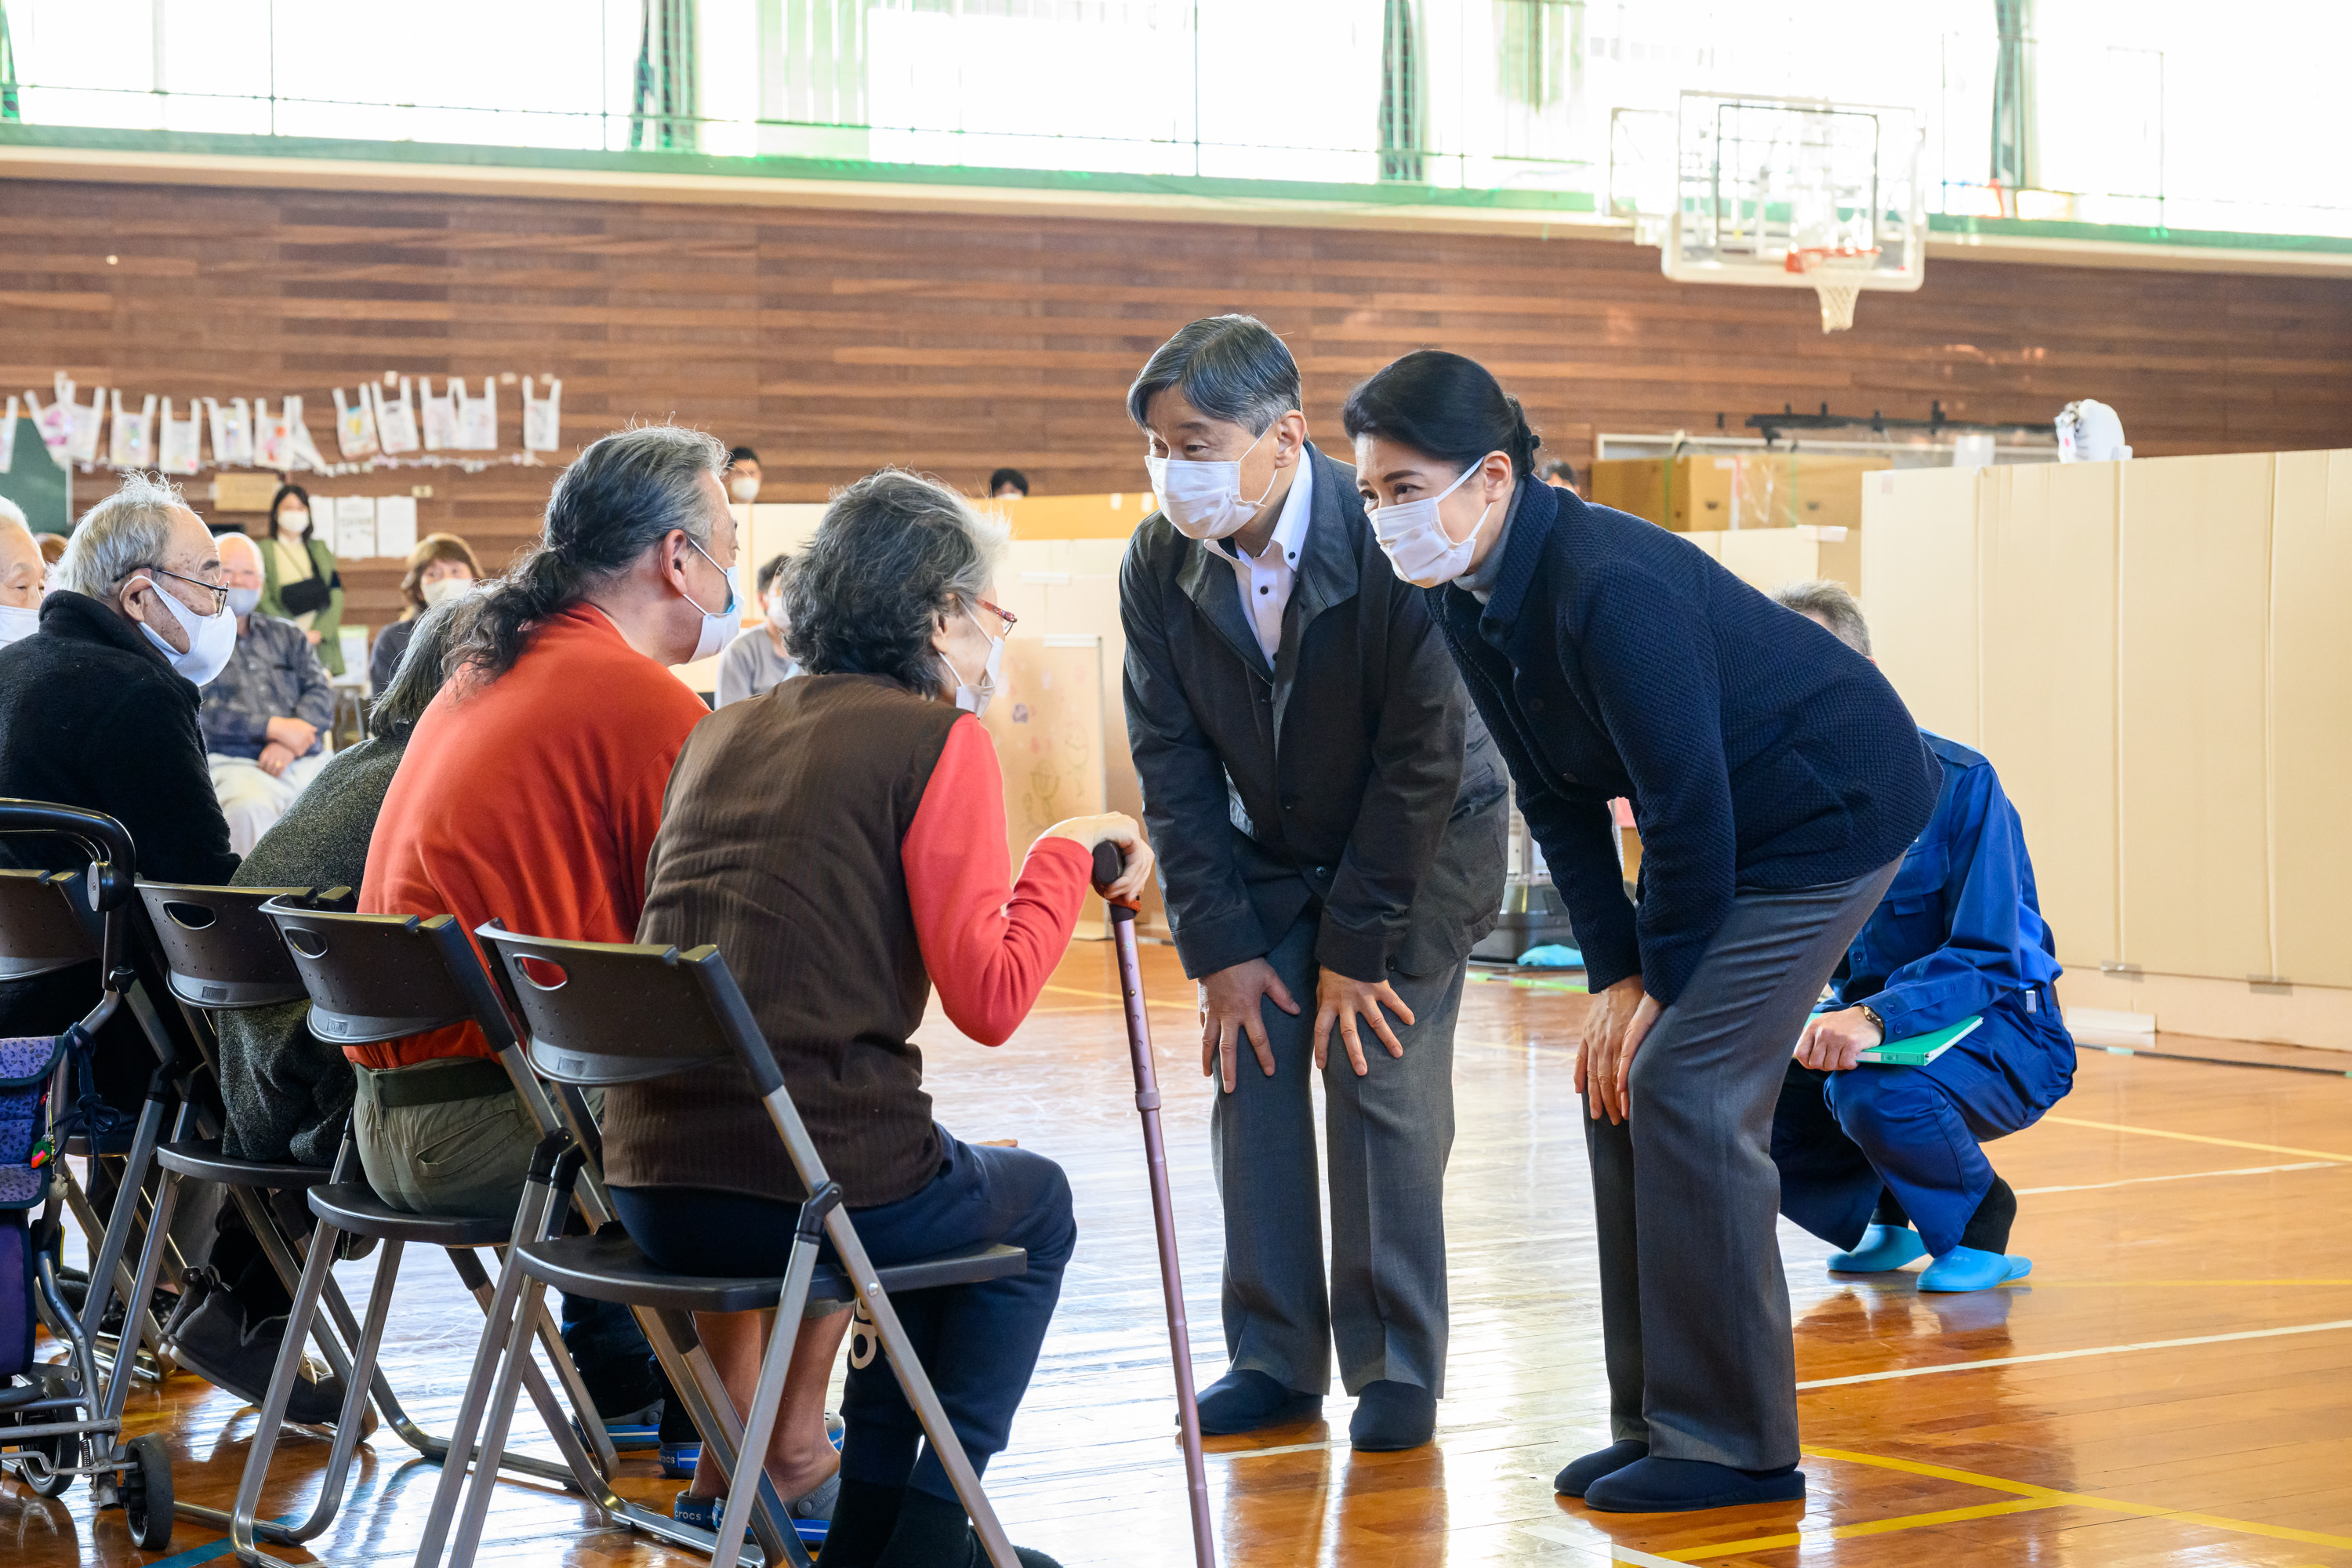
(145, 1488)
(51, 1472)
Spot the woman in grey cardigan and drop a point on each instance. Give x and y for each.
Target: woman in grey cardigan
(287, 1092)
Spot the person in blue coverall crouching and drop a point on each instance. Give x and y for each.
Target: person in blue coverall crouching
(1886, 1162)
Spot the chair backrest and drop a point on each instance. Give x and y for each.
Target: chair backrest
(606, 1013)
(219, 950)
(40, 931)
(378, 977)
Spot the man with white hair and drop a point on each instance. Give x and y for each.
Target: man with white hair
(265, 716)
(23, 574)
(98, 707)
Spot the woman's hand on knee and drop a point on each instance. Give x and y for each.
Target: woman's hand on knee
(1620, 1017)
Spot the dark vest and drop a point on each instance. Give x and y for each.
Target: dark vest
(779, 844)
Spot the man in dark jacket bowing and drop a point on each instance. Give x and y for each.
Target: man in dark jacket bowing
(1329, 820)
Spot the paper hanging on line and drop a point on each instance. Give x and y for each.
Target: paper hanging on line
(179, 443)
(355, 425)
(302, 449)
(440, 415)
(395, 423)
(232, 433)
(128, 446)
(542, 417)
(53, 423)
(81, 446)
(478, 418)
(395, 525)
(355, 527)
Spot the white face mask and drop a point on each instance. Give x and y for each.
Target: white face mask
(16, 624)
(974, 697)
(744, 488)
(244, 601)
(718, 626)
(441, 590)
(1416, 543)
(297, 523)
(210, 638)
(1205, 499)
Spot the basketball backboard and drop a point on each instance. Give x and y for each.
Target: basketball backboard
(1784, 193)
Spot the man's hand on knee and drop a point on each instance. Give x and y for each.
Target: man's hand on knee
(1230, 1009)
(1833, 1042)
(1338, 998)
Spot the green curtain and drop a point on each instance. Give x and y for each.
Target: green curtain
(664, 114)
(1399, 96)
(10, 108)
(2014, 157)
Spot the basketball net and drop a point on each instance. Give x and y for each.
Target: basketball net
(1835, 272)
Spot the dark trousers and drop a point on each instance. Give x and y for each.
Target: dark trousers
(1694, 1306)
(979, 1342)
(1387, 1136)
(1840, 1138)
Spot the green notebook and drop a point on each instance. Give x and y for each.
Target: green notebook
(1920, 1050)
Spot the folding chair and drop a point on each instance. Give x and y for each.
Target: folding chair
(599, 1014)
(221, 953)
(380, 977)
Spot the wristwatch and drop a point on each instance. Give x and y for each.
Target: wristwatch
(1871, 1013)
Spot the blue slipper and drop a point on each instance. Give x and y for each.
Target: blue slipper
(1883, 1246)
(1965, 1268)
(1578, 1476)
(1245, 1400)
(811, 1515)
(1686, 1486)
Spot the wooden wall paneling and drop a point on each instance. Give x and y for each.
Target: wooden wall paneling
(2193, 744)
(2310, 718)
(837, 340)
(1919, 561)
(2049, 667)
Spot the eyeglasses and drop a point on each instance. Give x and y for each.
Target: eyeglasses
(219, 592)
(1007, 616)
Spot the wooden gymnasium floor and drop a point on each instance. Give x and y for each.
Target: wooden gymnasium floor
(2173, 1385)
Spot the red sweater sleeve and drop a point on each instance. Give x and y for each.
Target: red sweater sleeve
(988, 944)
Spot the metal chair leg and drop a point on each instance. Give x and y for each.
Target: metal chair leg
(767, 1394)
(917, 1385)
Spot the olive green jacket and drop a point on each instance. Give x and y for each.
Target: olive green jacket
(328, 622)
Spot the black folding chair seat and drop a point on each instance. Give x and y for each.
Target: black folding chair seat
(202, 1158)
(353, 1207)
(607, 1267)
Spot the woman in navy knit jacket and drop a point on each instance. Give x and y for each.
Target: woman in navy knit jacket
(1777, 779)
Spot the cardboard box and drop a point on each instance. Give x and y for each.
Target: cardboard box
(1757, 489)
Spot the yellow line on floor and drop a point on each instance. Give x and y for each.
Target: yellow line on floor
(1850, 1531)
(2199, 1138)
(2034, 1281)
(2052, 1496)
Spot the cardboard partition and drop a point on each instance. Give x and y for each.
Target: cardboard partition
(1767, 558)
(1112, 516)
(1047, 722)
(2192, 739)
(1919, 576)
(2048, 623)
(2310, 848)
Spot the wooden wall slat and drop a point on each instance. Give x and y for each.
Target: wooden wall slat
(837, 341)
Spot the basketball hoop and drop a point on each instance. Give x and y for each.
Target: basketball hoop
(1831, 271)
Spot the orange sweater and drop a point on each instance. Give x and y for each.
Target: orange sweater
(533, 800)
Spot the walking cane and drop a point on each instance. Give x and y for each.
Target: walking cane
(1108, 865)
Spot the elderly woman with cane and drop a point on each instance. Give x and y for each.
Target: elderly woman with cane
(841, 839)
(1777, 779)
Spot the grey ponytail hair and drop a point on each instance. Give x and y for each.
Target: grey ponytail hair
(615, 502)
